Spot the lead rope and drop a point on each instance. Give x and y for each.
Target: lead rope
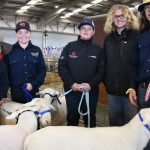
(86, 94)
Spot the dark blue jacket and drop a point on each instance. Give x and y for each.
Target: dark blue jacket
(25, 66)
(141, 60)
(4, 84)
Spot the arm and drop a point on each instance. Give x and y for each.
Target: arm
(63, 67)
(99, 76)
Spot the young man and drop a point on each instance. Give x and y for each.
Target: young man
(81, 68)
(26, 66)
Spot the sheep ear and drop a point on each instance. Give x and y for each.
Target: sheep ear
(32, 103)
(52, 107)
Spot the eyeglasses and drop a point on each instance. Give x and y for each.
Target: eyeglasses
(116, 17)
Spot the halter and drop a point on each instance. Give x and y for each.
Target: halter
(54, 97)
(145, 125)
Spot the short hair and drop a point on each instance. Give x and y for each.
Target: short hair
(132, 20)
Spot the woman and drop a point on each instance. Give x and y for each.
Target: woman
(121, 26)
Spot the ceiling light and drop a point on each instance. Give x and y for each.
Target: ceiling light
(20, 11)
(25, 7)
(56, 6)
(96, 1)
(60, 10)
(86, 6)
(77, 10)
(33, 2)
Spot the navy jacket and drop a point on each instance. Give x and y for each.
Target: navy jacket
(4, 84)
(25, 66)
(141, 60)
(81, 62)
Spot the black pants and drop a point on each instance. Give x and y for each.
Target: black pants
(18, 95)
(72, 101)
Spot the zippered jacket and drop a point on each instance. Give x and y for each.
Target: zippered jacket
(118, 52)
(81, 62)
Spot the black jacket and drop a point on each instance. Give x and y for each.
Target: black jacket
(4, 84)
(81, 62)
(118, 51)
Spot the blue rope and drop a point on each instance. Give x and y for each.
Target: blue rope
(27, 93)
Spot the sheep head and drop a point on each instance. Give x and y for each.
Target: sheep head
(40, 105)
(51, 91)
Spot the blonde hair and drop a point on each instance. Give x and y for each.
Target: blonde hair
(132, 20)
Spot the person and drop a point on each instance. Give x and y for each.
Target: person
(121, 27)
(4, 84)
(81, 68)
(25, 64)
(140, 77)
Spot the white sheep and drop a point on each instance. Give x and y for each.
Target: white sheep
(59, 103)
(9, 107)
(12, 136)
(132, 136)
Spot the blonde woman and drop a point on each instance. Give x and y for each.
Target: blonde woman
(121, 26)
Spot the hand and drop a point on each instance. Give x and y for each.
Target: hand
(86, 87)
(133, 97)
(2, 101)
(75, 87)
(29, 87)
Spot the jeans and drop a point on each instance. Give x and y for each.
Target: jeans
(73, 116)
(121, 110)
(143, 104)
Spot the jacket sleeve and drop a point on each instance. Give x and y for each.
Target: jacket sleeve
(41, 72)
(63, 67)
(99, 76)
(134, 67)
(4, 84)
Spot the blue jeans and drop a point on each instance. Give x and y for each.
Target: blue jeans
(143, 104)
(121, 111)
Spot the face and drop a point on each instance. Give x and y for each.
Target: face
(119, 19)
(147, 12)
(86, 32)
(23, 36)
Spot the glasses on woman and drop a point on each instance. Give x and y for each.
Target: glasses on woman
(116, 17)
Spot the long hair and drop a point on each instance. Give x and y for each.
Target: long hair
(144, 23)
(132, 20)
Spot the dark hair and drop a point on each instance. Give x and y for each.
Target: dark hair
(145, 25)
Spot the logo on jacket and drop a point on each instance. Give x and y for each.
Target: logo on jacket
(35, 54)
(73, 54)
(92, 57)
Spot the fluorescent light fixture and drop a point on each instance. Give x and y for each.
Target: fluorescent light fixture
(25, 7)
(86, 6)
(33, 2)
(96, 1)
(69, 14)
(60, 10)
(20, 11)
(77, 10)
(56, 6)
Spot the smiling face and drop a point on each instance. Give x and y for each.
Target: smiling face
(119, 19)
(147, 12)
(86, 32)
(23, 36)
